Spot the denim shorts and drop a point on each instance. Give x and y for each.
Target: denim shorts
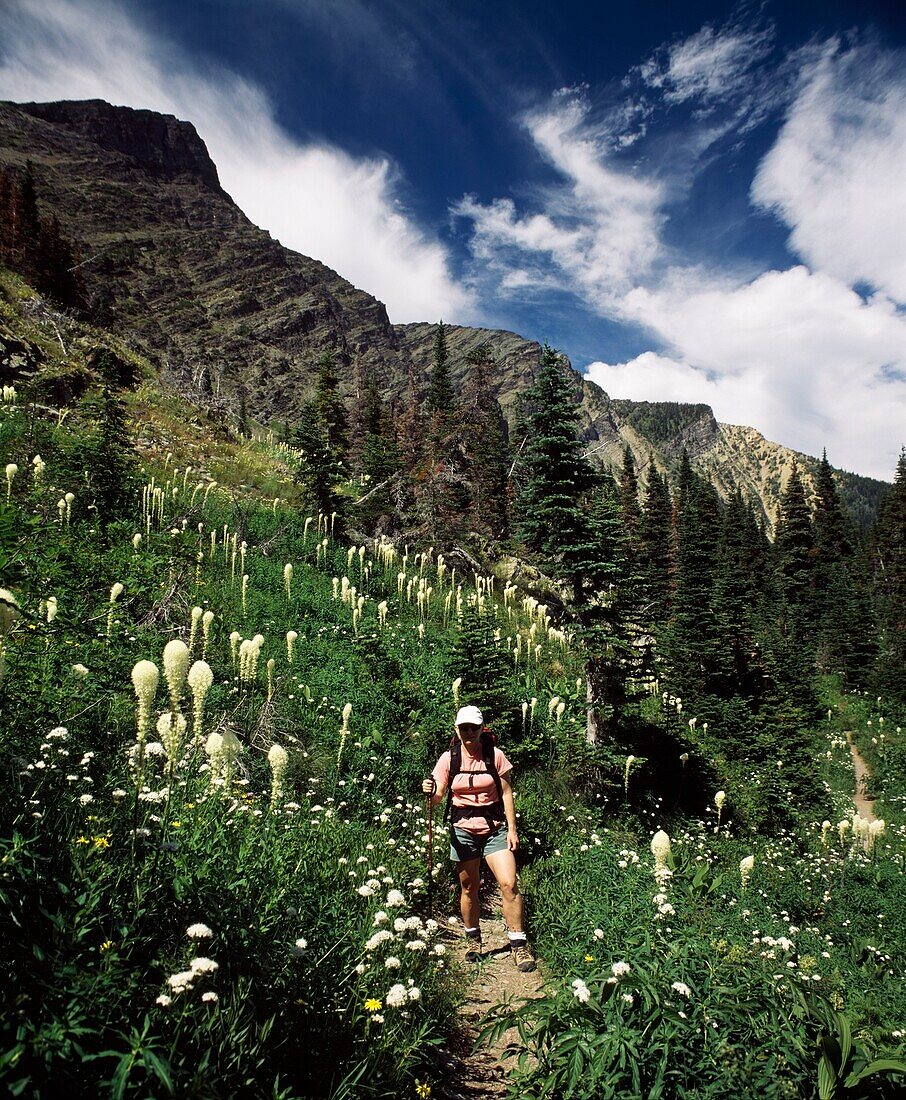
(465, 845)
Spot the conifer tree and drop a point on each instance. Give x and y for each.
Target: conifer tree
(693, 642)
(484, 668)
(380, 455)
(317, 474)
(108, 453)
(329, 410)
(793, 550)
(556, 475)
(684, 481)
(379, 459)
(890, 583)
(355, 427)
(654, 534)
(629, 496)
(833, 532)
(410, 424)
(841, 612)
(441, 398)
(242, 424)
(409, 429)
(441, 491)
(602, 597)
(487, 455)
(571, 519)
(35, 247)
(735, 597)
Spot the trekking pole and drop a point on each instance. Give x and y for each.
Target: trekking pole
(430, 853)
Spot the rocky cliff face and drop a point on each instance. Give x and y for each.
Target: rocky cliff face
(160, 145)
(177, 268)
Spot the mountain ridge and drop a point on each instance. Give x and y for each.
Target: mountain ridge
(225, 309)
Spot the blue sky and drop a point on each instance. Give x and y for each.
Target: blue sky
(696, 201)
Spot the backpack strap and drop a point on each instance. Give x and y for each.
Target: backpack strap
(494, 812)
(488, 743)
(455, 769)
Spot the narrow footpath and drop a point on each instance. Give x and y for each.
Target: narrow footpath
(472, 1074)
(865, 804)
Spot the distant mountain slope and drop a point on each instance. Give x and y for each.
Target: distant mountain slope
(177, 267)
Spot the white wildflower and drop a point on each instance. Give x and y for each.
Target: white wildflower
(202, 965)
(379, 937)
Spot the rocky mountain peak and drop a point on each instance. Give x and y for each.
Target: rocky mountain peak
(164, 146)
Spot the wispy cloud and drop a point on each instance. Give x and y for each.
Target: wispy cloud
(836, 172)
(710, 66)
(314, 197)
(600, 228)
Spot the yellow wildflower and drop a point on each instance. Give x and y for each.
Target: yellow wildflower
(106, 945)
(82, 840)
(372, 1005)
(100, 842)
(422, 1090)
(589, 958)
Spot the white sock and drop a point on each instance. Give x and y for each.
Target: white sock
(516, 937)
(471, 931)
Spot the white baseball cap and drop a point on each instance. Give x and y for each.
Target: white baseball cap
(469, 716)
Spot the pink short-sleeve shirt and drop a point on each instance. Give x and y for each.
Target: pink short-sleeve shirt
(473, 785)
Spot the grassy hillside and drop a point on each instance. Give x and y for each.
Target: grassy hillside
(239, 905)
(112, 851)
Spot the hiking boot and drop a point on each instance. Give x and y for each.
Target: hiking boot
(522, 957)
(473, 946)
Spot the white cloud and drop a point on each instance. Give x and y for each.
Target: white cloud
(315, 198)
(836, 172)
(600, 227)
(709, 65)
(798, 355)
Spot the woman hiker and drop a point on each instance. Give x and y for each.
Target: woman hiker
(482, 823)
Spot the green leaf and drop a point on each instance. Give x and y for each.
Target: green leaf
(827, 1079)
(879, 1065)
(845, 1033)
(160, 1069)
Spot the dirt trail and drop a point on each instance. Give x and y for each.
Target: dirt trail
(864, 803)
(474, 1074)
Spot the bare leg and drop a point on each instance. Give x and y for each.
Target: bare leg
(503, 864)
(469, 881)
